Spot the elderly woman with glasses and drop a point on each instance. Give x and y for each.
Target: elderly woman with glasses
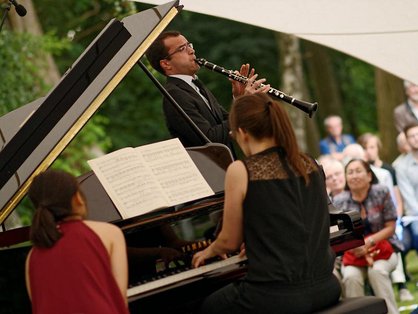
(376, 259)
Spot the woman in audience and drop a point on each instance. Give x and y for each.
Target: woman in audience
(372, 146)
(276, 200)
(76, 265)
(376, 259)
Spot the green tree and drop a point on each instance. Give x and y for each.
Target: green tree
(20, 82)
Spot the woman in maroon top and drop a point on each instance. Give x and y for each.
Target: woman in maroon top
(76, 265)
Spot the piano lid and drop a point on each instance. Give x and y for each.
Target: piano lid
(33, 136)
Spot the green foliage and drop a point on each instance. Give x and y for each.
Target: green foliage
(121, 121)
(20, 60)
(358, 93)
(134, 109)
(132, 114)
(23, 62)
(135, 112)
(91, 139)
(411, 261)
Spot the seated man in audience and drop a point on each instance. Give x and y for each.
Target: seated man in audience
(403, 148)
(407, 112)
(335, 184)
(407, 176)
(335, 142)
(334, 176)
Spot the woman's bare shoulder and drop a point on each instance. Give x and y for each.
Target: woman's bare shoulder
(100, 226)
(236, 167)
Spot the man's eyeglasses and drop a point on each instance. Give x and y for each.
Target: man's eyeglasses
(180, 49)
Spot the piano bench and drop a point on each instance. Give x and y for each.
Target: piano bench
(359, 305)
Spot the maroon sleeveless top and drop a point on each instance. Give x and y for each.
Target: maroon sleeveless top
(74, 276)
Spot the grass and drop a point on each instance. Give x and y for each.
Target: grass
(412, 269)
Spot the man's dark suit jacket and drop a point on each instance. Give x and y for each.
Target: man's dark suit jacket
(213, 123)
(403, 116)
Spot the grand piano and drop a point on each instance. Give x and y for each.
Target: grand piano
(160, 243)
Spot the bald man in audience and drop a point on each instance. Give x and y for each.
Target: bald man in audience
(334, 176)
(336, 141)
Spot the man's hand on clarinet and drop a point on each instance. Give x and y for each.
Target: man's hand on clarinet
(238, 88)
(252, 85)
(256, 86)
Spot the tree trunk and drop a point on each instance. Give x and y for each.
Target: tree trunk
(294, 85)
(324, 83)
(30, 24)
(389, 94)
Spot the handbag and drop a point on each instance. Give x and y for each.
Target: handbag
(382, 250)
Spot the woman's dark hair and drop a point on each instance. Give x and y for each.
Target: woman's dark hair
(365, 166)
(262, 117)
(51, 193)
(158, 51)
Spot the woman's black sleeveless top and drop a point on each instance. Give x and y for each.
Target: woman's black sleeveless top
(286, 222)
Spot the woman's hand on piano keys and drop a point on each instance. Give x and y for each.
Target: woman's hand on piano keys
(242, 252)
(200, 257)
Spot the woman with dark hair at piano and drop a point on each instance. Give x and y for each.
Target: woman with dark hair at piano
(75, 265)
(276, 202)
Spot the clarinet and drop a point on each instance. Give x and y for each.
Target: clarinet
(306, 107)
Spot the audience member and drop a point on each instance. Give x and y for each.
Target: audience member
(173, 55)
(75, 265)
(334, 176)
(403, 147)
(335, 183)
(372, 145)
(407, 175)
(376, 258)
(407, 112)
(355, 151)
(336, 141)
(266, 195)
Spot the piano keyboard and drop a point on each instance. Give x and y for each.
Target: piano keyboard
(194, 272)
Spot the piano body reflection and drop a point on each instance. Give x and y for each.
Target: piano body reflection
(160, 243)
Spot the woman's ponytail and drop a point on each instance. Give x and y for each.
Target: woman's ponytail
(51, 193)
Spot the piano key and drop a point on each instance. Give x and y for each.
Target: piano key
(194, 272)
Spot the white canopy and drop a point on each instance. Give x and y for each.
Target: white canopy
(381, 32)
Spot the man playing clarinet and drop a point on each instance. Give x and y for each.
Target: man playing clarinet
(172, 55)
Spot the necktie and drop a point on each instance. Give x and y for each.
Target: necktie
(202, 90)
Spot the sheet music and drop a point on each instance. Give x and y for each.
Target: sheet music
(129, 182)
(175, 171)
(142, 179)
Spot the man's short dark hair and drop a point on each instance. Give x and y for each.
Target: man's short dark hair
(158, 51)
(409, 126)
